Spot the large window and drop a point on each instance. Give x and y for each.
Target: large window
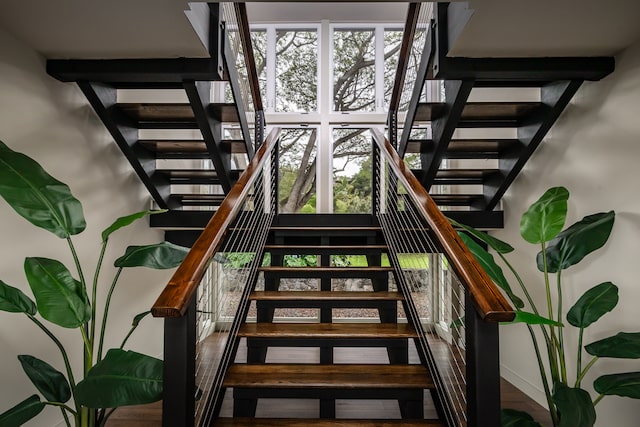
(354, 72)
(352, 170)
(296, 71)
(297, 155)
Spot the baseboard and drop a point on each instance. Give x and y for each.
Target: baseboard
(525, 386)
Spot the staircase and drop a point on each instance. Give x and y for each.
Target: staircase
(260, 376)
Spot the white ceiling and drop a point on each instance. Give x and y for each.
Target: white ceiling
(159, 28)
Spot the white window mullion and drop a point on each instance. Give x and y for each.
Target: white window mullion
(271, 69)
(379, 69)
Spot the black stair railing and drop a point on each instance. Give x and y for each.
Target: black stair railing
(450, 299)
(206, 300)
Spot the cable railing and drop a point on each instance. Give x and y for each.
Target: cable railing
(412, 68)
(453, 303)
(214, 283)
(241, 67)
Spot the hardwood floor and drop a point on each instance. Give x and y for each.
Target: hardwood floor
(150, 415)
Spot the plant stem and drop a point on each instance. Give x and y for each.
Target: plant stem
(106, 313)
(522, 286)
(61, 406)
(543, 375)
(103, 422)
(66, 417)
(586, 369)
(579, 358)
(563, 364)
(65, 357)
(598, 399)
(94, 294)
(88, 350)
(552, 349)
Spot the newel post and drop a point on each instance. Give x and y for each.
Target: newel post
(483, 369)
(179, 385)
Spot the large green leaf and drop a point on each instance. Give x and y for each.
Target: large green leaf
(513, 418)
(61, 299)
(495, 244)
(545, 218)
(493, 270)
(22, 412)
(532, 319)
(121, 378)
(124, 221)
(51, 383)
(577, 241)
(623, 345)
(14, 300)
(593, 304)
(574, 406)
(626, 385)
(37, 196)
(158, 256)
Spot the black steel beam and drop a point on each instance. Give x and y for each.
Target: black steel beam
(199, 94)
(133, 72)
(456, 93)
(102, 98)
(234, 81)
(555, 97)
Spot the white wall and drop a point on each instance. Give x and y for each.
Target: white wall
(52, 122)
(594, 151)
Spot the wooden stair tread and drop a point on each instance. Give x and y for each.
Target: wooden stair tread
(329, 247)
(304, 422)
(328, 229)
(325, 296)
(341, 376)
(479, 110)
(189, 148)
(457, 199)
(335, 270)
(327, 330)
(172, 111)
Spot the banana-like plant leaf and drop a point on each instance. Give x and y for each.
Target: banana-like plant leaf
(593, 304)
(625, 385)
(513, 418)
(577, 241)
(51, 383)
(37, 196)
(493, 270)
(61, 299)
(14, 300)
(127, 220)
(22, 412)
(157, 256)
(532, 319)
(138, 318)
(545, 218)
(574, 406)
(623, 345)
(495, 244)
(122, 378)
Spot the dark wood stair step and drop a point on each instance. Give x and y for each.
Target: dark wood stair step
(457, 199)
(310, 422)
(326, 249)
(336, 377)
(325, 231)
(479, 111)
(342, 299)
(195, 176)
(198, 199)
(321, 331)
(318, 272)
(461, 176)
(188, 148)
(487, 148)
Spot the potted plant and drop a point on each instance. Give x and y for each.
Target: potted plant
(542, 224)
(108, 378)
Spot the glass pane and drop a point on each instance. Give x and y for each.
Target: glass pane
(296, 71)
(392, 42)
(352, 171)
(353, 70)
(297, 187)
(259, 41)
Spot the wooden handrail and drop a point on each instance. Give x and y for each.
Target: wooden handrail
(487, 298)
(174, 299)
(249, 57)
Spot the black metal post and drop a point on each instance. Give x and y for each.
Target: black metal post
(179, 385)
(483, 369)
